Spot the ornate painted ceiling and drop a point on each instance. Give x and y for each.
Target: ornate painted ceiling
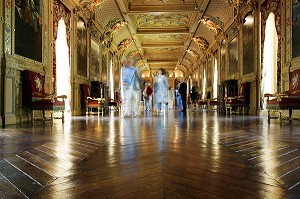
(170, 34)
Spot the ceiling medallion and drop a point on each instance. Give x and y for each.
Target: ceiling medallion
(201, 42)
(213, 23)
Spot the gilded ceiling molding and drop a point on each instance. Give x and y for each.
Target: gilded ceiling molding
(112, 26)
(201, 42)
(213, 23)
(133, 53)
(90, 5)
(194, 53)
(235, 3)
(123, 45)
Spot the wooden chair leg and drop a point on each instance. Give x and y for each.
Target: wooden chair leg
(269, 117)
(32, 116)
(63, 116)
(51, 117)
(44, 116)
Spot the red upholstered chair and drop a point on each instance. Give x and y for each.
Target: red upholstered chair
(91, 103)
(213, 103)
(240, 103)
(289, 100)
(204, 102)
(41, 101)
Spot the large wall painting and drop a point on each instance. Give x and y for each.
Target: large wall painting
(223, 61)
(81, 48)
(296, 29)
(28, 29)
(233, 58)
(248, 45)
(95, 72)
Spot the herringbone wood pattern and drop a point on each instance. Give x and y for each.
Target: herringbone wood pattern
(197, 155)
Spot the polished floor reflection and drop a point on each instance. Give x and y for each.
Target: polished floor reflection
(194, 155)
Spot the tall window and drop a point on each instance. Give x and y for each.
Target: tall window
(269, 72)
(215, 94)
(63, 85)
(111, 77)
(204, 84)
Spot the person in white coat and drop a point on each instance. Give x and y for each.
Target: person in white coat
(130, 88)
(160, 91)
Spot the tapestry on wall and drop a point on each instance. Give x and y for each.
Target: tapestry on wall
(248, 45)
(296, 29)
(81, 47)
(28, 29)
(95, 72)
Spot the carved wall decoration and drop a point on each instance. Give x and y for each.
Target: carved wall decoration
(213, 23)
(28, 29)
(162, 20)
(201, 42)
(7, 37)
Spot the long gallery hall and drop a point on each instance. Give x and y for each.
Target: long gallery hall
(150, 99)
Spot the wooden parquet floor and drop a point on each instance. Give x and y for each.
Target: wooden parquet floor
(192, 155)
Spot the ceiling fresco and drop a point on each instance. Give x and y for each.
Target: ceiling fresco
(172, 34)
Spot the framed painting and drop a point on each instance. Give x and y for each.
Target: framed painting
(104, 69)
(233, 58)
(223, 61)
(81, 48)
(28, 29)
(95, 72)
(296, 29)
(209, 72)
(248, 44)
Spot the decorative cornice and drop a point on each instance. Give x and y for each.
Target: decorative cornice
(213, 23)
(201, 42)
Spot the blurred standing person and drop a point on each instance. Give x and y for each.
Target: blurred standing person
(160, 91)
(178, 98)
(130, 87)
(147, 95)
(182, 91)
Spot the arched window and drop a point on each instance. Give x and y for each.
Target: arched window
(269, 72)
(63, 85)
(215, 85)
(204, 84)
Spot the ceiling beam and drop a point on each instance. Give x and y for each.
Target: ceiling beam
(149, 9)
(151, 31)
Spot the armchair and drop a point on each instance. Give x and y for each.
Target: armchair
(38, 100)
(289, 100)
(91, 103)
(204, 102)
(239, 102)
